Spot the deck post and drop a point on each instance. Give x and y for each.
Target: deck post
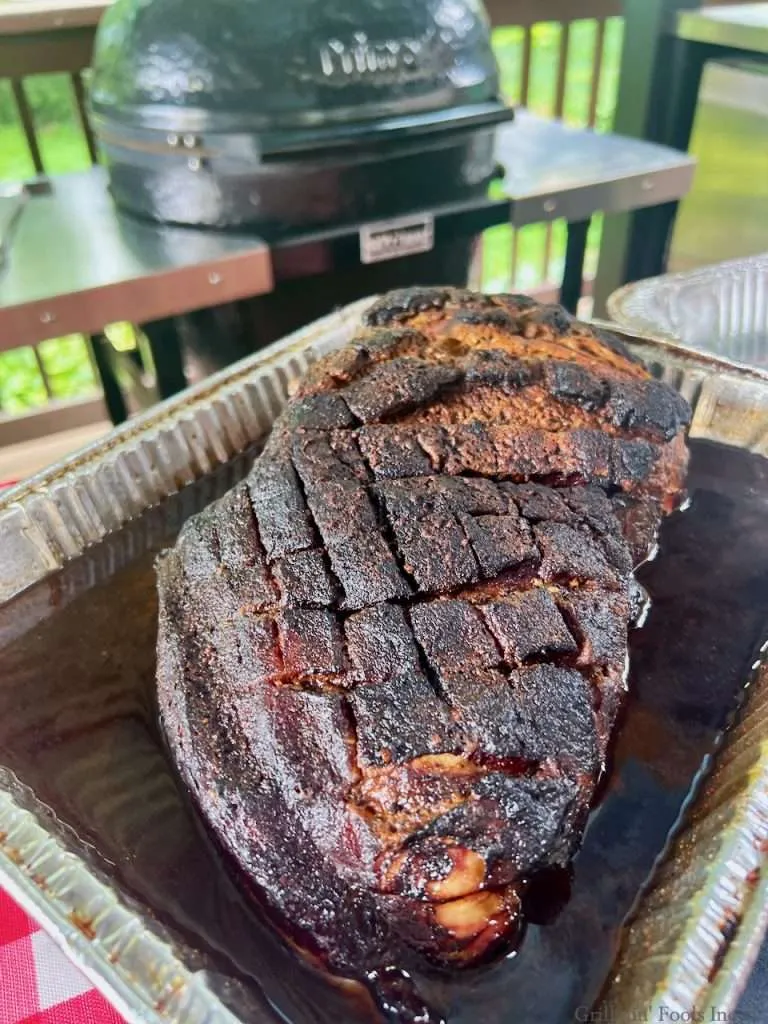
(643, 99)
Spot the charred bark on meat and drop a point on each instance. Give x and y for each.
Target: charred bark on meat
(391, 660)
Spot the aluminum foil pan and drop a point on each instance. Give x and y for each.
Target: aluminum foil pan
(721, 309)
(695, 935)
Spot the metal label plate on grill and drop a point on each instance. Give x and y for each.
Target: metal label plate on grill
(388, 239)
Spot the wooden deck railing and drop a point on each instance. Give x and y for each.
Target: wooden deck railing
(551, 32)
(527, 15)
(42, 37)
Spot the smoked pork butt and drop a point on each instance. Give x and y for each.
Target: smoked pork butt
(390, 661)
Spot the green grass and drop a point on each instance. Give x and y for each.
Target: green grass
(63, 149)
(67, 367)
(61, 145)
(731, 188)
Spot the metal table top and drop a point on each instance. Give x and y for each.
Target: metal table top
(737, 26)
(24, 16)
(75, 264)
(555, 171)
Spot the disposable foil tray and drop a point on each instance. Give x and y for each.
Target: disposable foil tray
(721, 309)
(96, 840)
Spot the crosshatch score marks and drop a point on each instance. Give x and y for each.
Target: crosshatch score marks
(390, 661)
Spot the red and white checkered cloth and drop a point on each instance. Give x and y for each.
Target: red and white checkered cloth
(38, 985)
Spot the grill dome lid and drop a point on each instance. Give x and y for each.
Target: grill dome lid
(288, 65)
